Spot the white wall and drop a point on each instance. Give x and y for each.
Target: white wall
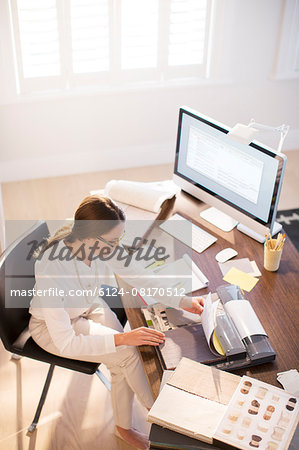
(112, 129)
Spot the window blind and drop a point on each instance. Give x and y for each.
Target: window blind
(89, 35)
(187, 32)
(139, 33)
(72, 42)
(38, 34)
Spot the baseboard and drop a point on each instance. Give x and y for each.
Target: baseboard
(92, 161)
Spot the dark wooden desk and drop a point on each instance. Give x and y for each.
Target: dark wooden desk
(275, 298)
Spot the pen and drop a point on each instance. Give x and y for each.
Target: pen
(155, 264)
(178, 285)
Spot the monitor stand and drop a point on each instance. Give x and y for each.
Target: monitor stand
(227, 223)
(219, 219)
(258, 237)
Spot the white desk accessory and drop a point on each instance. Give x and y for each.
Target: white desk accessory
(244, 134)
(218, 218)
(225, 255)
(199, 239)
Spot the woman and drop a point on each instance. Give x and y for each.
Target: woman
(64, 322)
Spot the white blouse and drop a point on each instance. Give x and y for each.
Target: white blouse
(58, 297)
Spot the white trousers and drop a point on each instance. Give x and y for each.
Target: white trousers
(127, 374)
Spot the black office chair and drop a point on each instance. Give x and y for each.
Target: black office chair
(17, 273)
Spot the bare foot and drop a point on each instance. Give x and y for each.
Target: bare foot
(133, 437)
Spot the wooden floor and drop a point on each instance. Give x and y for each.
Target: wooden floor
(77, 414)
(57, 198)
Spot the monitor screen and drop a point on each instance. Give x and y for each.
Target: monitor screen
(212, 166)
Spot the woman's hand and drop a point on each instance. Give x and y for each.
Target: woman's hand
(140, 336)
(192, 304)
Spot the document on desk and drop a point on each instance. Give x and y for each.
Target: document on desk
(194, 400)
(186, 413)
(244, 264)
(183, 274)
(185, 337)
(208, 319)
(218, 407)
(267, 411)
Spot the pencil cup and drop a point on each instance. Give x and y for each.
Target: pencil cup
(272, 257)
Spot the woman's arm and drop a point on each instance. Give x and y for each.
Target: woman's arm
(71, 345)
(140, 336)
(192, 304)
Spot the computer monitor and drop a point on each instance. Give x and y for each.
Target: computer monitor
(243, 181)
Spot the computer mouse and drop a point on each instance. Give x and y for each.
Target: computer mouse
(225, 255)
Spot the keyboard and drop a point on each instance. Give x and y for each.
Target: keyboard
(200, 239)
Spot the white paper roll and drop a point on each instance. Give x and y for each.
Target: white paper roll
(196, 269)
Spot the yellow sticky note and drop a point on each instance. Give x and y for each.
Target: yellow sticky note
(242, 279)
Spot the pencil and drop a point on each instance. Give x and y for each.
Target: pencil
(269, 241)
(278, 240)
(280, 247)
